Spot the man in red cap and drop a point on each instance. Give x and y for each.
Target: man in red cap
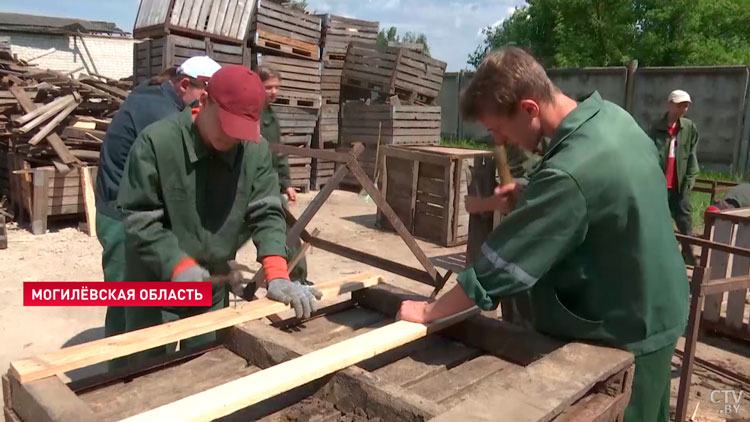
(196, 187)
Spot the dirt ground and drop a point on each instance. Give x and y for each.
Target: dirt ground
(67, 254)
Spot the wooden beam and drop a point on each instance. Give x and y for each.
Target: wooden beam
(79, 356)
(49, 127)
(33, 115)
(236, 395)
(89, 205)
(48, 400)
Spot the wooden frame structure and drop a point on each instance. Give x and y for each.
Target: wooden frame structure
(724, 269)
(404, 372)
(713, 187)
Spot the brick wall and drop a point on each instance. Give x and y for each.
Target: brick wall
(107, 56)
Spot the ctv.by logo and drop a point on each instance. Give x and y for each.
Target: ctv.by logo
(731, 400)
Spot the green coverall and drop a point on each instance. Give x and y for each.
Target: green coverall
(687, 172)
(590, 240)
(271, 131)
(181, 198)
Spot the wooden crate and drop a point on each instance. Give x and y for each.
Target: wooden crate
(475, 370)
(153, 56)
(427, 187)
(218, 19)
(300, 171)
(297, 76)
(727, 312)
(387, 125)
(331, 81)
(326, 137)
(414, 77)
(281, 30)
(339, 31)
(42, 192)
(297, 124)
(322, 171)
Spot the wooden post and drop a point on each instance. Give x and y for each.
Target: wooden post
(630, 86)
(39, 201)
(700, 276)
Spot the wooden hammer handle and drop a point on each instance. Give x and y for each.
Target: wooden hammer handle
(501, 162)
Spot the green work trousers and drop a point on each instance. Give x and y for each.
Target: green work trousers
(111, 235)
(138, 317)
(299, 273)
(651, 387)
(682, 213)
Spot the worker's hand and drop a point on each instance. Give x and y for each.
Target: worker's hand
(189, 270)
(302, 298)
(292, 194)
(504, 200)
(415, 311)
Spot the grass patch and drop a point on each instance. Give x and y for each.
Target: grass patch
(700, 201)
(465, 143)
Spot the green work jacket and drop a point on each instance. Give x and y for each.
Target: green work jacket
(181, 198)
(687, 150)
(271, 130)
(591, 239)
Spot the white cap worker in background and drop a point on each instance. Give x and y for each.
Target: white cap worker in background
(676, 139)
(161, 96)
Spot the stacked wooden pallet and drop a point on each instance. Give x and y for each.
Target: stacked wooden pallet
(173, 31)
(326, 137)
(300, 80)
(153, 56)
(51, 125)
(297, 127)
(415, 78)
(376, 125)
(285, 31)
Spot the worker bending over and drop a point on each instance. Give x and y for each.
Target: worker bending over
(271, 132)
(196, 187)
(159, 97)
(590, 235)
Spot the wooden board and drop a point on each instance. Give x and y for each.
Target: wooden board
(89, 203)
(76, 357)
(236, 395)
(719, 264)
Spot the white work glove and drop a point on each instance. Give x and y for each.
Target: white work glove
(192, 273)
(301, 297)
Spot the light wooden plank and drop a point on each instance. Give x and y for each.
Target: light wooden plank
(740, 266)
(230, 15)
(212, 17)
(239, 10)
(246, 18)
(204, 14)
(233, 396)
(195, 14)
(79, 356)
(718, 262)
(187, 8)
(88, 200)
(49, 127)
(176, 12)
(220, 17)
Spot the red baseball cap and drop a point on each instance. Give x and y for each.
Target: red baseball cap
(240, 95)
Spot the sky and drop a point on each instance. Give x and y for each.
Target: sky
(453, 27)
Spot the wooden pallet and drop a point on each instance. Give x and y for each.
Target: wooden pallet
(414, 77)
(426, 187)
(299, 99)
(470, 368)
(296, 75)
(339, 31)
(285, 31)
(327, 129)
(322, 171)
(224, 19)
(297, 124)
(43, 192)
(153, 56)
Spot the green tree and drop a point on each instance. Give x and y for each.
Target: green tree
(297, 4)
(572, 33)
(391, 35)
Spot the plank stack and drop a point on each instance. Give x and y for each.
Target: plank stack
(288, 40)
(338, 32)
(176, 30)
(50, 126)
(297, 127)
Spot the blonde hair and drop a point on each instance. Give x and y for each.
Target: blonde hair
(505, 77)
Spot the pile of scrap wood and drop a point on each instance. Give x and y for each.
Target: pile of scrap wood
(50, 118)
(53, 123)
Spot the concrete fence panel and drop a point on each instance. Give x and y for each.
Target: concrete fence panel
(577, 83)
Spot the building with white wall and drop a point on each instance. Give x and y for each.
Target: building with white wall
(69, 45)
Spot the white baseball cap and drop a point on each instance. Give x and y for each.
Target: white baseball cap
(679, 96)
(199, 67)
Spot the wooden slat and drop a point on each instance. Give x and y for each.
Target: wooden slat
(213, 15)
(79, 356)
(176, 12)
(195, 10)
(740, 267)
(88, 200)
(227, 26)
(246, 391)
(541, 390)
(718, 262)
(239, 9)
(220, 17)
(204, 14)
